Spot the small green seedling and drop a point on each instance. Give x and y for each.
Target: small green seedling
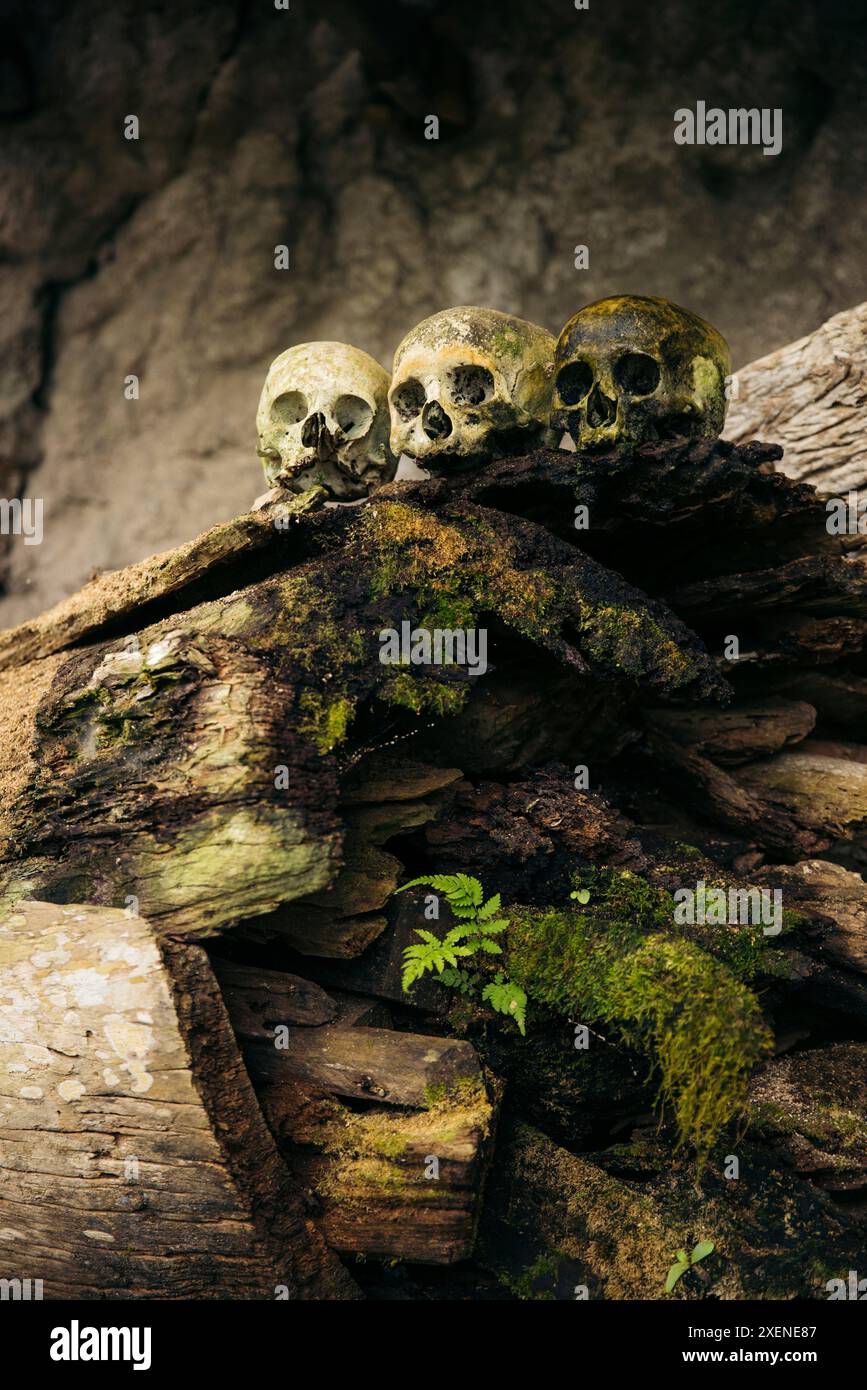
(581, 895)
(683, 1262)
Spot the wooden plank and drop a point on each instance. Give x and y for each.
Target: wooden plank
(258, 999)
(367, 1063)
(392, 1185)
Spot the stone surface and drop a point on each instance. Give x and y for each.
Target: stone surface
(262, 128)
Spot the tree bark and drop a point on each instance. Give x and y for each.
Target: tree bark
(136, 1160)
(811, 396)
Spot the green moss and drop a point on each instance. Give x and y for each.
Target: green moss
(380, 1152)
(465, 1093)
(455, 571)
(619, 961)
(531, 1283)
(325, 721)
(620, 637)
(421, 694)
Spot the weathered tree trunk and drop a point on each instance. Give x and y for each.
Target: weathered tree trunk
(136, 1162)
(811, 396)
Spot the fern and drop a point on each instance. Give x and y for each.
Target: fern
(507, 998)
(477, 927)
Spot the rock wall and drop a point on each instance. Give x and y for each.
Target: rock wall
(261, 127)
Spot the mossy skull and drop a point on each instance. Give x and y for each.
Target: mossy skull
(470, 385)
(631, 370)
(323, 420)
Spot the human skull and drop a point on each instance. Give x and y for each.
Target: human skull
(629, 370)
(323, 419)
(470, 385)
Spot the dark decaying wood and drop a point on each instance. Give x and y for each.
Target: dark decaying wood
(144, 726)
(367, 1063)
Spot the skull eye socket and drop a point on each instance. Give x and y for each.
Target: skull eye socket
(470, 385)
(289, 409)
(636, 373)
(353, 415)
(409, 398)
(574, 382)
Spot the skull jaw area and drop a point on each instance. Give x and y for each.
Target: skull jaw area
(311, 469)
(457, 453)
(637, 428)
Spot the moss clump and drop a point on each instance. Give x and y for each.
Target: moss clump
(456, 569)
(536, 1283)
(621, 963)
(325, 721)
(383, 1152)
(421, 694)
(620, 638)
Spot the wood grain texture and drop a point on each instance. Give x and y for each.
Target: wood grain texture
(811, 397)
(136, 1163)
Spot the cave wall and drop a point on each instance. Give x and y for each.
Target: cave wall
(261, 127)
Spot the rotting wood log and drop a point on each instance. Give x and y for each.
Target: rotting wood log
(257, 1000)
(742, 732)
(389, 1184)
(374, 1064)
(405, 1187)
(838, 696)
(379, 969)
(194, 765)
(832, 895)
(225, 556)
(136, 1160)
(743, 803)
(150, 756)
(826, 796)
(360, 1011)
(811, 396)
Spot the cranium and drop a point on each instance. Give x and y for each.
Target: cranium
(629, 370)
(469, 385)
(323, 419)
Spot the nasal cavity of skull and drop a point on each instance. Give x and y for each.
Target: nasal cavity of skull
(353, 416)
(470, 384)
(574, 381)
(289, 409)
(409, 398)
(434, 421)
(636, 373)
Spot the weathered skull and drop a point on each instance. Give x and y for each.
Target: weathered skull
(470, 385)
(323, 419)
(630, 370)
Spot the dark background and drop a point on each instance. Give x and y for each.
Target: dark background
(261, 127)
